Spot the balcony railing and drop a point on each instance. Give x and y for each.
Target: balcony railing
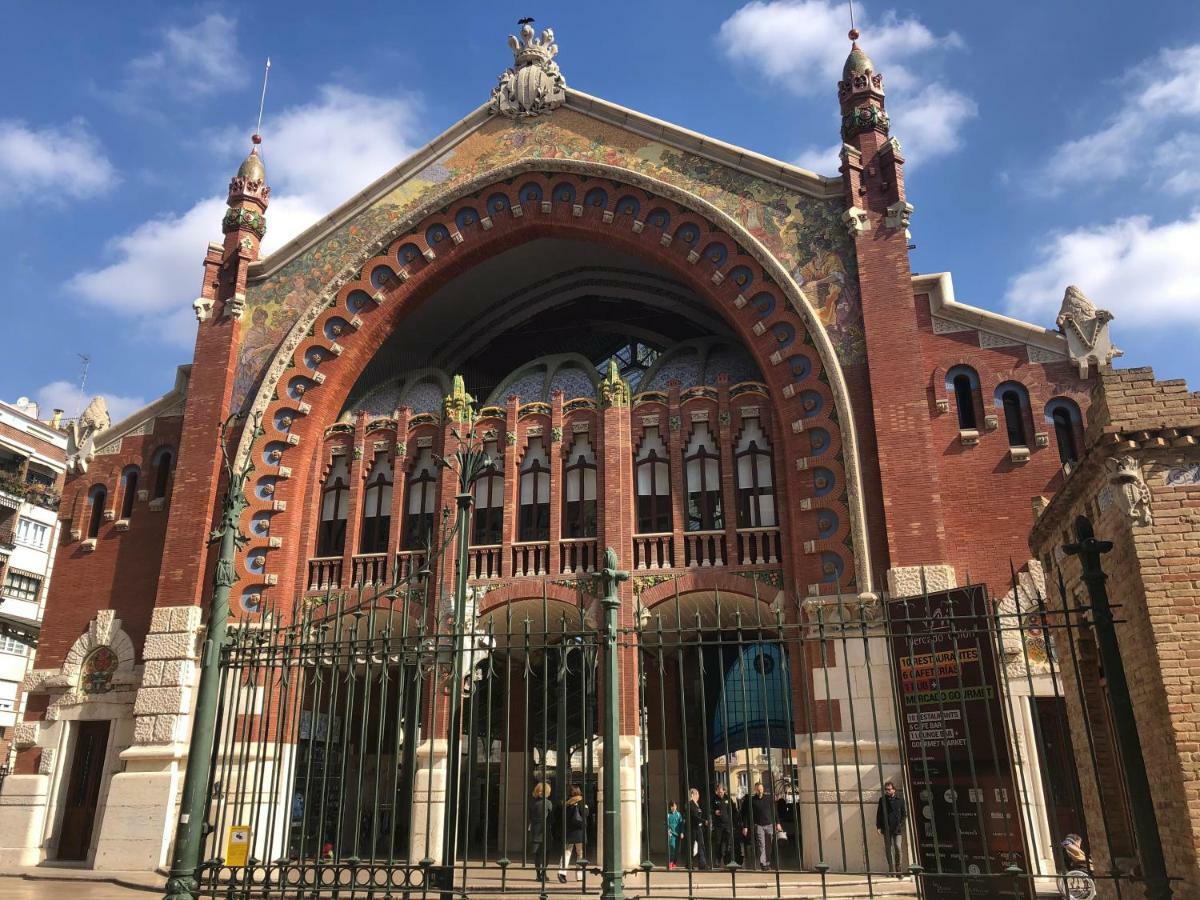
(408, 563)
(324, 573)
(484, 562)
(530, 558)
(653, 551)
(758, 546)
(704, 548)
(370, 569)
(576, 556)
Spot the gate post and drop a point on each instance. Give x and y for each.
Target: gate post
(190, 832)
(1154, 868)
(613, 886)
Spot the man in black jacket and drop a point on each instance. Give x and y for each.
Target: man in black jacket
(697, 825)
(722, 819)
(889, 822)
(760, 822)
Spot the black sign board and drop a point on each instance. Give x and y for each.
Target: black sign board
(961, 785)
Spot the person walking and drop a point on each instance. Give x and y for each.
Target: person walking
(723, 814)
(674, 834)
(889, 822)
(761, 821)
(576, 832)
(697, 829)
(540, 809)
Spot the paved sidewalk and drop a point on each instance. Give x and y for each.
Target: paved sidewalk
(78, 883)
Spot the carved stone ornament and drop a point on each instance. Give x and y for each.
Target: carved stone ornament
(1133, 494)
(203, 308)
(235, 306)
(614, 391)
(1086, 330)
(856, 221)
(534, 85)
(899, 214)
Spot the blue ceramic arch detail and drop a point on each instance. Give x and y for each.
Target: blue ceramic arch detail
(659, 218)
(331, 323)
(742, 277)
(823, 481)
(764, 302)
(831, 568)
(811, 403)
(264, 489)
(407, 254)
(498, 203)
(529, 193)
(687, 234)
(818, 441)
(284, 419)
(785, 333)
(383, 277)
(563, 193)
(629, 206)
(716, 253)
(800, 365)
(251, 599)
(356, 301)
(827, 524)
(466, 217)
(256, 560)
(597, 197)
(272, 447)
(437, 233)
(314, 357)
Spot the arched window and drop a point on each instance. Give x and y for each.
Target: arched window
(129, 483)
(162, 472)
(98, 496)
(335, 497)
(420, 499)
(1013, 399)
(755, 481)
(652, 474)
(377, 506)
(963, 383)
(489, 501)
(579, 494)
(534, 523)
(702, 468)
(1064, 415)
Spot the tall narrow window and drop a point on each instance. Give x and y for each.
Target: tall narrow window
(652, 474)
(703, 470)
(756, 484)
(1064, 415)
(99, 496)
(964, 384)
(162, 472)
(579, 494)
(335, 497)
(535, 493)
(489, 501)
(420, 499)
(377, 506)
(1014, 401)
(129, 483)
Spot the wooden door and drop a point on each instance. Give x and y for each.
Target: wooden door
(83, 790)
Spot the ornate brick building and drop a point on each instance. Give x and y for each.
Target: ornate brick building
(716, 363)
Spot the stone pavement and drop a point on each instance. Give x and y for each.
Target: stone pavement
(77, 883)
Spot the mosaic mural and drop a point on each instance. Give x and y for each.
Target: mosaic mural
(804, 233)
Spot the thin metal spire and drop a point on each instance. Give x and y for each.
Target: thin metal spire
(262, 101)
(853, 27)
(84, 362)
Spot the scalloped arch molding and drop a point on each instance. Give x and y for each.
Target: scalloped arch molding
(330, 342)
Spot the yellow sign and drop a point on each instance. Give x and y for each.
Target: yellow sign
(237, 849)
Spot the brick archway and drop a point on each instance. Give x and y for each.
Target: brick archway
(313, 370)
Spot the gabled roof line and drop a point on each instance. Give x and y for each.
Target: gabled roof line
(151, 410)
(726, 154)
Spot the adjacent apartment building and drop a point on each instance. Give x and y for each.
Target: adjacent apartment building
(32, 466)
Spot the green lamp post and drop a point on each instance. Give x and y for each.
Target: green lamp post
(613, 879)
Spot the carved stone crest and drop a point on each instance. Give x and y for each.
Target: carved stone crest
(1086, 330)
(534, 85)
(1132, 492)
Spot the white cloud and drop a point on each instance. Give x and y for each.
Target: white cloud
(1147, 275)
(66, 161)
(1157, 96)
(67, 397)
(801, 45)
(821, 160)
(191, 61)
(315, 158)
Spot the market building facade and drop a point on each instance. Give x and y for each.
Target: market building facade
(716, 364)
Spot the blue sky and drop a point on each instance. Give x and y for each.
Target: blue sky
(1047, 143)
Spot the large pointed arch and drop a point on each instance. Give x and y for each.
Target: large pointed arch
(315, 366)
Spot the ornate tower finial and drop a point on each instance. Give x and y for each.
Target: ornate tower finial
(459, 405)
(860, 93)
(1086, 330)
(614, 391)
(534, 85)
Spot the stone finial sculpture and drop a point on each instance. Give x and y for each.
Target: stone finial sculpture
(1133, 493)
(1086, 330)
(534, 85)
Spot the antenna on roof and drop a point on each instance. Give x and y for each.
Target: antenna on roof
(262, 101)
(853, 27)
(84, 362)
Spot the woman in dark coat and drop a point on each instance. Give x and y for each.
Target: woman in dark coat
(540, 809)
(576, 815)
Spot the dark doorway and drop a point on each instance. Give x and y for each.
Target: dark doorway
(1060, 780)
(83, 790)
